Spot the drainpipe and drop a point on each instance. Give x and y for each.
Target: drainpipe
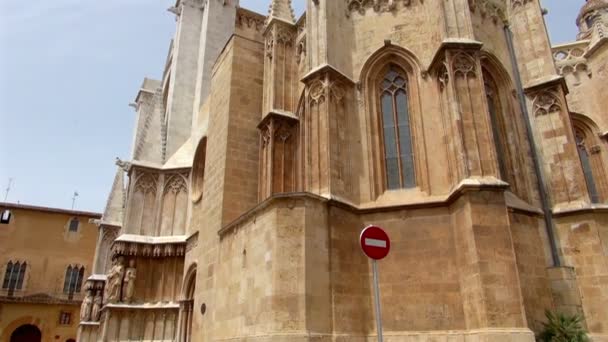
(544, 198)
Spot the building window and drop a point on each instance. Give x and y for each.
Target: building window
(14, 275)
(74, 223)
(65, 318)
(583, 154)
(494, 108)
(73, 279)
(5, 218)
(396, 131)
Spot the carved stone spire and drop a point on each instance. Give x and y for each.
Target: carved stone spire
(281, 10)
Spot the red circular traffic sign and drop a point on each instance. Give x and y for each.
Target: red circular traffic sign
(375, 242)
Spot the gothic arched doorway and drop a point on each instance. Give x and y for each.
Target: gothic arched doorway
(187, 305)
(26, 333)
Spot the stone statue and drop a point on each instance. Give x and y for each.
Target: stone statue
(96, 307)
(114, 282)
(128, 285)
(85, 307)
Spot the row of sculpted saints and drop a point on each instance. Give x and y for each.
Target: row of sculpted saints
(120, 287)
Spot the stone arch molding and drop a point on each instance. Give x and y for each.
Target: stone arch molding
(369, 75)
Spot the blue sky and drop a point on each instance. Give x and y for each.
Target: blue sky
(69, 69)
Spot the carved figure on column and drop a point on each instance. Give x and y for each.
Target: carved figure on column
(85, 307)
(128, 285)
(114, 283)
(96, 311)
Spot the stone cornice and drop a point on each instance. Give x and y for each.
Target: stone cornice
(547, 82)
(465, 186)
(149, 246)
(581, 209)
(453, 44)
(329, 69)
(40, 298)
(277, 114)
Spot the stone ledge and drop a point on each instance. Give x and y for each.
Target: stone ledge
(98, 277)
(580, 209)
(95, 324)
(146, 306)
(465, 186)
(546, 82)
(477, 335)
(152, 240)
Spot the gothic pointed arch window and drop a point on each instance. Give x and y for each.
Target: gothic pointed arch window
(395, 129)
(496, 116)
(584, 155)
(73, 279)
(14, 276)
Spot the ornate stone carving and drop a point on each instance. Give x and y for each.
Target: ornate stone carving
(361, 6)
(443, 76)
(464, 65)
(176, 184)
(320, 89)
(546, 102)
(96, 310)
(284, 36)
(518, 3)
(146, 183)
(128, 286)
(301, 50)
(269, 47)
(570, 58)
(247, 19)
(489, 9)
(85, 307)
(317, 91)
(114, 281)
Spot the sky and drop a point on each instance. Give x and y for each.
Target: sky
(69, 69)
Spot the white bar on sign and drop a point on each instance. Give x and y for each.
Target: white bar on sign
(375, 243)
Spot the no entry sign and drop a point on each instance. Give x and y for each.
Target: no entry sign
(375, 242)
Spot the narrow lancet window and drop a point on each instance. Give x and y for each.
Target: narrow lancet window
(398, 152)
(583, 153)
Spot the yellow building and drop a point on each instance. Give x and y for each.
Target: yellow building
(45, 256)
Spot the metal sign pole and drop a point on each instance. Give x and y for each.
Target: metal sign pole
(377, 300)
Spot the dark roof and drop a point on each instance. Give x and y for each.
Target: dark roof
(5, 205)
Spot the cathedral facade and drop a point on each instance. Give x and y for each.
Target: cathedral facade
(270, 142)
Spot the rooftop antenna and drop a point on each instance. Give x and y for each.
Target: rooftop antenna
(74, 199)
(8, 188)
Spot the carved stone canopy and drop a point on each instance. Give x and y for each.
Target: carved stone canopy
(148, 250)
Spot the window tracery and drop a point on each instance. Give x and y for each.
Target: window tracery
(14, 276)
(396, 131)
(73, 279)
(546, 102)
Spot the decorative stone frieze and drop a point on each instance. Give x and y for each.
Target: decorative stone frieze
(570, 58)
(493, 9)
(519, 3)
(250, 20)
(361, 6)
